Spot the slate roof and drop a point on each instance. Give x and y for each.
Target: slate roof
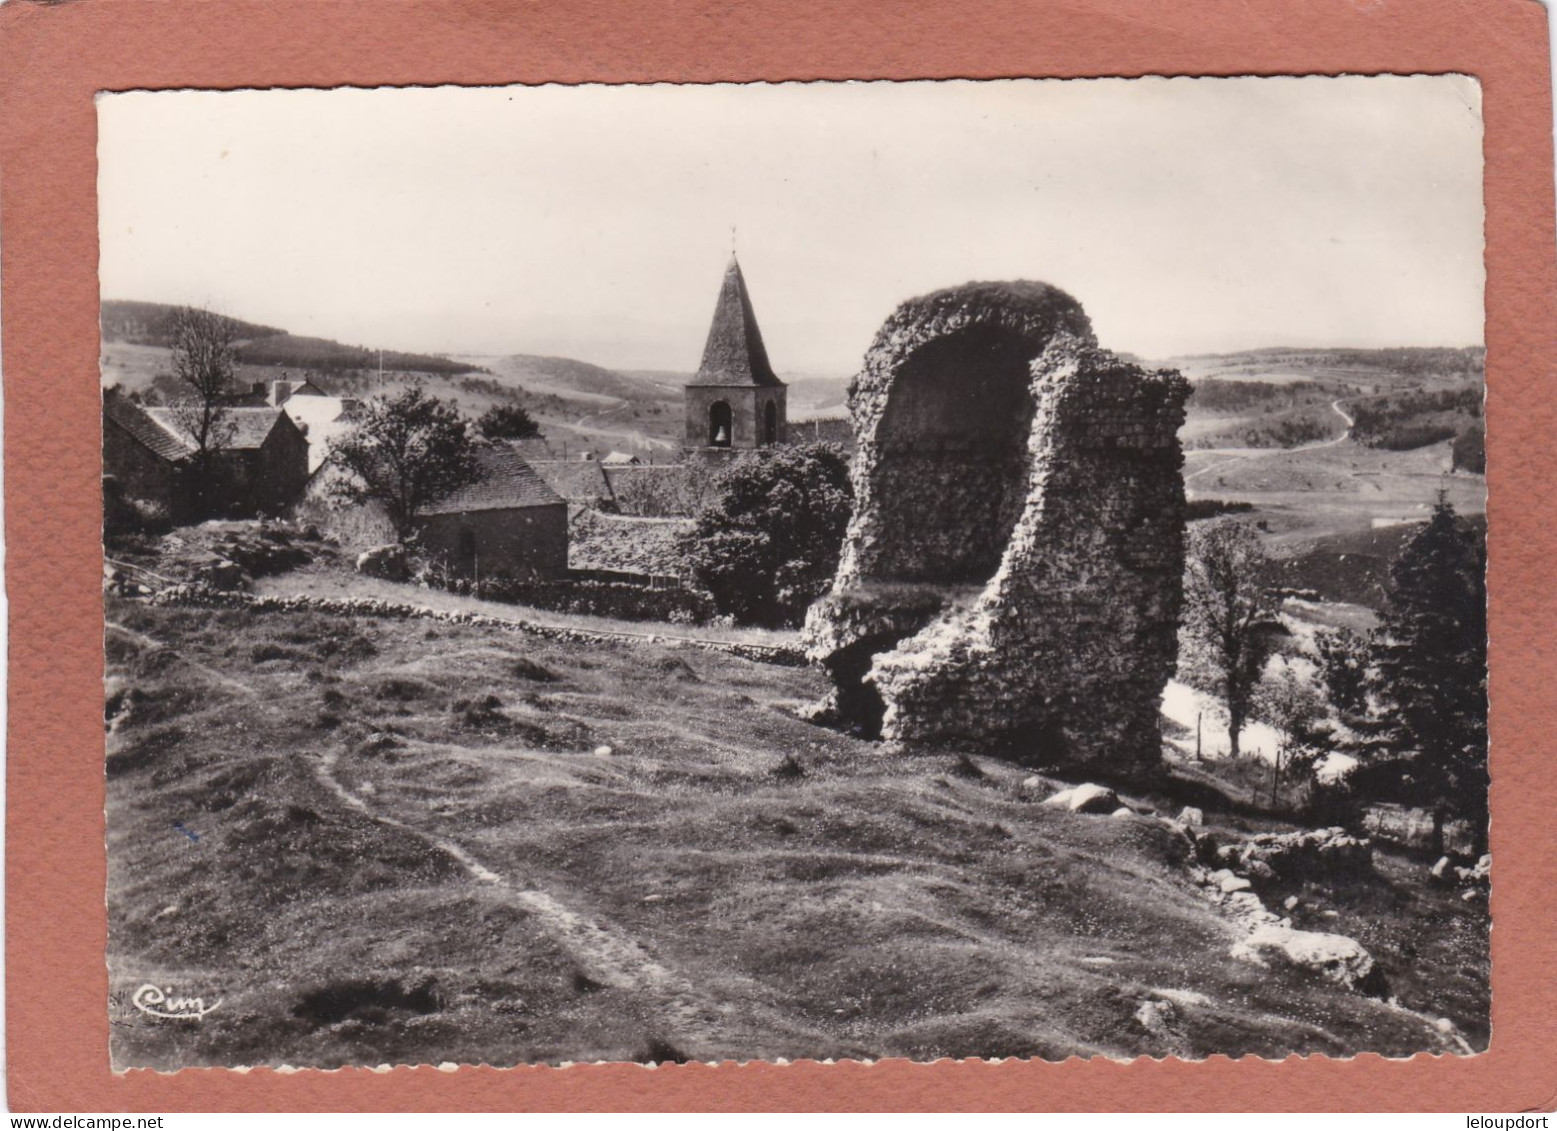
(577, 480)
(734, 353)
(135, 420)
(250, 426)
(506, 482)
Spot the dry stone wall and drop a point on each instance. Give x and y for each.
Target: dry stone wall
(1011, 578)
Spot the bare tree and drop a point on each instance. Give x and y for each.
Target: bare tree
(1229, 615)
(203, 365)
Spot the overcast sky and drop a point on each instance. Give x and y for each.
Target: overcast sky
(1187, 215)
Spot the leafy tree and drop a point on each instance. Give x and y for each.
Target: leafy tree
(1229, 616)
(769, 543)
(507, 422)
(1289, 702)
(203, 343)
(1343, 669)
(1431, 658)
(406, 452)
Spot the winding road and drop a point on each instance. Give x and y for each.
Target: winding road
(1241, 455)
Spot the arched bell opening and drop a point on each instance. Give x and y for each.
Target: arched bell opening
(770, 423)
(720, 425)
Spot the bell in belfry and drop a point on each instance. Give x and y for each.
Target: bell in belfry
(721, 437)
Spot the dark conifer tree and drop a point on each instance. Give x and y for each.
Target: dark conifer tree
(1430, 658)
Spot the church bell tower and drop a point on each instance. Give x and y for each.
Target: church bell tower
(734, 402)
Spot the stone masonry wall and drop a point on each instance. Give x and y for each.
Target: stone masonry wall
(1011, 579)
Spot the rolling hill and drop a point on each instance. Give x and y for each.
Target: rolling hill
(151, 324)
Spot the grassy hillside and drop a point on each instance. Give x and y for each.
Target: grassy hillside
(1371, 370)
(150, 324)
(407, 842)
(1353, 567)
(578, 379)
(1280, 398)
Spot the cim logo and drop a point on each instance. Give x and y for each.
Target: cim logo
(161, 1003)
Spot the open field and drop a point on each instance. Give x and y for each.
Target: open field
(385, 841)
(1306, 493)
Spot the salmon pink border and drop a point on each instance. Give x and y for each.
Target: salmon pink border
(54, 57)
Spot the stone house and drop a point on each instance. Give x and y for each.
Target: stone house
(508, 523)
(734, 402)
(141, 459)
(261, 466)
(582, 482)
(322, 420)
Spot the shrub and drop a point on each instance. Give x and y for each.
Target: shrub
(1470, 450)
(1409, 437)
(507, 422)
(125, 516)
(769, 544)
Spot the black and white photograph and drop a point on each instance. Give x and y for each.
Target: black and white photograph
(796, 571)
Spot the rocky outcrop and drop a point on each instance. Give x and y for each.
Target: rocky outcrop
(1310, 854)
(1337, 958)
(1085, 799)
(1445, 871)
(387, 562)
(1011, 577)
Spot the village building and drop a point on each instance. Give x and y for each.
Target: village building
(735, 402)
(508, 523)
(322, 420)
(272, 394)
(581, 482)
(260, 466)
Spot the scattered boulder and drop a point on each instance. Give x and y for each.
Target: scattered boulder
(1182, 997)
(1337, 958)
(1087, 798)
(1304, 855)
(267, 551)
(1155, 1017)
(387, 562)
(1451, 874)
(1259, 870)
(1123, 811)
(223, 576)
(1229, 883)
(1246, 908)
(1190, 817)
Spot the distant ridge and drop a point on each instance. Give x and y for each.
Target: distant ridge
(151, 324)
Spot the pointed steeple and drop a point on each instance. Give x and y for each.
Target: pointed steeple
(734, 354)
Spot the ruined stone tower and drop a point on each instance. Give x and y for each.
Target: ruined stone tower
(734, 402)
(1011, 578)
